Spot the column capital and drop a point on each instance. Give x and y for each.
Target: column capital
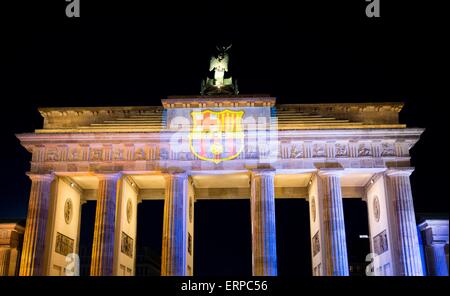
(108, 176)
(41, 177)
(399, 171)
(174, 173)
(330, 172)
(262, 172)
(435, 231)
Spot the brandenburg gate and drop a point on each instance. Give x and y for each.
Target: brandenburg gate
(219, 145)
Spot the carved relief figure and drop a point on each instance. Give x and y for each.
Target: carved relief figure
(364, 149)
(52, 154)
(129, 211)
(387, 149)
(163, 154)
(126, 245)
(191, 208)
(118, 154)
(376, 208)
(316, 244)
(68, 211)
(341, 150)
(96, 154)
(318, 150)
(296, 151)
(64, 244)
(313, 208)
(140, 154)
(380, 243)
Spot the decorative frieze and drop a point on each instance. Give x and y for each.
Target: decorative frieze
(75, 153)
(38, 153)
(107, 152)
(297, 150)
(52, 154)
(331, 149)
(96, 154)
(63, 156)
(164, 153)
(129, 152)
(292, 150)
(353, 149)
(84, 152)
(308, 149)
(140, 153)
(118, 153)
(402, 148)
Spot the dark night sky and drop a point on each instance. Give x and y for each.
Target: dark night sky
(125, 53)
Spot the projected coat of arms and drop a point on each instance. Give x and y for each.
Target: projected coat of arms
(216, 135)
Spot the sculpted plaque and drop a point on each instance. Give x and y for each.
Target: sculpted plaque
(129, 210)
(64, 244)
(376, 208)
(68, 211)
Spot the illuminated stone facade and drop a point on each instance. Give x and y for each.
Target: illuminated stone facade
(11, 238)
(189, 150)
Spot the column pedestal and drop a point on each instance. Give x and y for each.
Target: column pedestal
(174, 248)
(406, 245)
(264, 252)
(32, 260)
(104, 230)
(335, 245)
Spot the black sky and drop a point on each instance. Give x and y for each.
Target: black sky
(128, 53)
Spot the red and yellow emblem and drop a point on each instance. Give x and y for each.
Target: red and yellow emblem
(216, 135)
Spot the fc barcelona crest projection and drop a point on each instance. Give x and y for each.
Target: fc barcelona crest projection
(216, 136)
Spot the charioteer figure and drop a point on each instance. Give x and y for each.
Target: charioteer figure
(219, 85)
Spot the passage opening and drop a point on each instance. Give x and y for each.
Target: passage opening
(222, 238)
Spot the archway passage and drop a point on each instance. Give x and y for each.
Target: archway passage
(86, 236)
(223, 243)
(357, 235)
(293, 237)
(149, 238)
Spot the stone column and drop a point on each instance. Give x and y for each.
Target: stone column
(435, 239)
(335, 245)
(264, 243)
(32, 260)
(174, 248)
(5, 254)
(406, 245)
(104, 229)
(435, 254)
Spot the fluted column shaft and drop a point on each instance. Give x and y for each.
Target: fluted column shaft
(5, 254)
(437, 265)
(264, 251)
(335, 245)
(173, 260)
(32, 261)
(104, 229)
(407, 250)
